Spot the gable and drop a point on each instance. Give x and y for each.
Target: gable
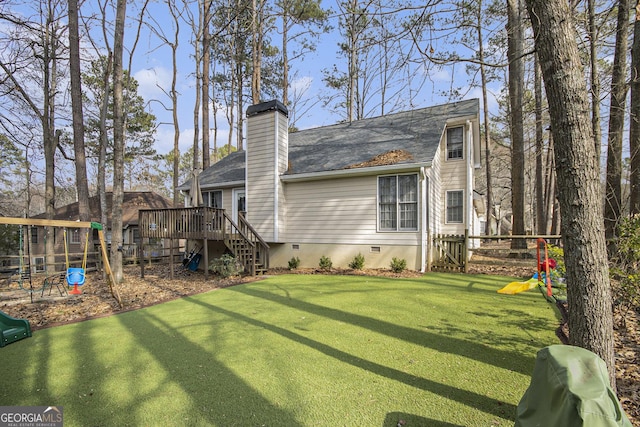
(416, 133)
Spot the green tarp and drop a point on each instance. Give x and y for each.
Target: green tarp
(569, 388)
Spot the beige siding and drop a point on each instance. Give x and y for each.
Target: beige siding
(283, 166)
(342, 211)
(453, 174)
(343, 254)
(436, 206)
(260, 185)
(227, 200)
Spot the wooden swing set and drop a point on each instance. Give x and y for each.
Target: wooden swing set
(74, 276)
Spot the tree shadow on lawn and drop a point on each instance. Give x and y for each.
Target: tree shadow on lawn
(215, 395)
(212, 387)
(480, 402)
(513, 361)
(75, 382)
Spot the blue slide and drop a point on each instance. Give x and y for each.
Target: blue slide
(12, 329)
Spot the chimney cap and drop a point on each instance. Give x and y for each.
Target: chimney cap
(263, 107)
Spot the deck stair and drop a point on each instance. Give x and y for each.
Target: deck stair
(206, 223)
(247, 245)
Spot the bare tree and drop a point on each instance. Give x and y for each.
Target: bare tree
(306, 14)
(33, 52)
(78, 120)
(613, 192)
(515, 52)
(541, 217)
(594, 76)
(634, 126)
(206, 62)
(589, 293)
(118, 142)
(173, 42)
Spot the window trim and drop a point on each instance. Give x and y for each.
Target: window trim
(209, 192)
(448, 150)
(446, 208)
(398, 203)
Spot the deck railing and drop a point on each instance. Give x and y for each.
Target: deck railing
(182, 223)
(210, 224)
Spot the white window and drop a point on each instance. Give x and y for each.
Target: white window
(213, 199)
(398, 203)
(74, 236)
(455, 142)
(455, 206)
(38, 263)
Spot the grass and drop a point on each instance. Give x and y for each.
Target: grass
(294, 350)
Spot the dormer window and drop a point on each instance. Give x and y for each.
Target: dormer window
(455, 142)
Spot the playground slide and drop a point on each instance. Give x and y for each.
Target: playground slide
(517, 287)
(12, 329)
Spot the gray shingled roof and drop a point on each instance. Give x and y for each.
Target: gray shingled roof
(341, 146)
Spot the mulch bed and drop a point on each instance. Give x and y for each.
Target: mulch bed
(157, 287)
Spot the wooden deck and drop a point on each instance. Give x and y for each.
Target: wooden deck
(204, 223)
(182, 223)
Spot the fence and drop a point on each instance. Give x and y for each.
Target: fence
(451, 252)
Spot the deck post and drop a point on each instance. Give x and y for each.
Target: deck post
(205, 243)
(141, 257)
(170, 257)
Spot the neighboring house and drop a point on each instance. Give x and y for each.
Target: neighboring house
(132, 203)
(381, 187)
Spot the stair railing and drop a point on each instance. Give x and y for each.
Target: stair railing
(246, 244)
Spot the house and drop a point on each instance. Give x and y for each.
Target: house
(132, 203)
(381, 187)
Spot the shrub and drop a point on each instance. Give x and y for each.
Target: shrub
(325, 263)
(294, 263)
(398, 265)
(358, 262)
(557, 253)
(626, 264)
(226, 266)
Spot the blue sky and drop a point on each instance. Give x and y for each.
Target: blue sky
(152, 68)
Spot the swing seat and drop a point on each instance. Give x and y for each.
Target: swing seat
(75, 276)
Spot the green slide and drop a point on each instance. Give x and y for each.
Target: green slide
(12, 329)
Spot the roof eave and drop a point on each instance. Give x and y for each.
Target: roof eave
(342, 173)
(215, 186)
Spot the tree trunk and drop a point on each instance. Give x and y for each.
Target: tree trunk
(541, 217)
(256, 54)
(516, 96)
(613, 194)
(487, 132)
(595, 77)
(588, 287)
(206, 59)
(51, 138)
(197, 102)
(634, 125)
(77, 115)
(285, 52)
(102, 156)
(174, 106)
(118, 144)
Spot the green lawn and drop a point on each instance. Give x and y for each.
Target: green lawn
(294, 350)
